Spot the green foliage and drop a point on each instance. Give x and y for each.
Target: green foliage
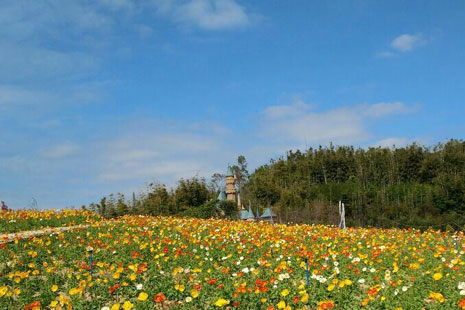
(409, 186)
(191, 193)
(207, 210)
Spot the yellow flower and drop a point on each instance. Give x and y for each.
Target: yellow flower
(115, 307)
(221, 302)
(54, 288)
(133, 276)
(54, 303)
(195, 293)
(142, 296)
(330, 287)
(305, 298)
(436, 296)
(128, 305)
(285, 292)
(263, 300)
(437, 276)
(17, 291)
(281, 304)
(73, 291)
(179, 287)
(3, 290)
(347, 282)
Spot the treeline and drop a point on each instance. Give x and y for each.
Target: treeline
(412, 186)
(191, 197)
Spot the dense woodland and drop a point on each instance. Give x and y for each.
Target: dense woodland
(412, 186)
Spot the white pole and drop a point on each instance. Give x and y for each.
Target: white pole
(342, 214)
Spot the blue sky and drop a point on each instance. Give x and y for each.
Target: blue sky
(105, 96)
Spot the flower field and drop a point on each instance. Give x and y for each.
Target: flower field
(16, 221)
(140, 262)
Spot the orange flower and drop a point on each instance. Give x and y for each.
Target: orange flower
(326, 304)
(34, 305)
(462, 303)
(160, 297)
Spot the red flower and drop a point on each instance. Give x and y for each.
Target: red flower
(112, 288)
(159, 297)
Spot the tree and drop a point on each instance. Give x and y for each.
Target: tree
(121, 206)
(191, 193)
(217, 182)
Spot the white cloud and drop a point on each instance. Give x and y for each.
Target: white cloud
(388, 108)
(292, 126)
(13, 95)
(162, 152)
(205, 14)
(407, 42)
(118, 4)
(280, 111)
(60, 151)
(393, 141)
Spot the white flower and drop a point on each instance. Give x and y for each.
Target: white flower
(461, 286)
(462, 292)
(396, 292)
(336, 264)
(364, 269)
(139, 286)
(105, 308)
(245, 270)
(361, 281)
(404, 288)
(372, 270)
(188, 299)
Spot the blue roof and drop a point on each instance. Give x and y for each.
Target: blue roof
(245, 215)
(229, 172)
(250, 212)
(222, 196)
(268, 213)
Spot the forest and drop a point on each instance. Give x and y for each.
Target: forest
(411, 186)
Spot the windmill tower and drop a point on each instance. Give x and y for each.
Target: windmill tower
(231, 194)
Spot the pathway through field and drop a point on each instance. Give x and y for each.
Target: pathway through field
(5, 238)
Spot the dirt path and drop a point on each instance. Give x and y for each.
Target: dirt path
(5, 238)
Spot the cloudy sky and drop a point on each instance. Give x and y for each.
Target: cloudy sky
(105, 96)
